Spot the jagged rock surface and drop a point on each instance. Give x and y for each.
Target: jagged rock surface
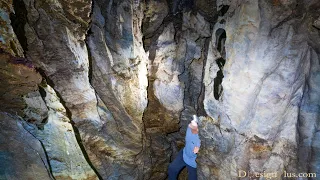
(260, 121)
(59, 140)
(129, 74)
(22, 155)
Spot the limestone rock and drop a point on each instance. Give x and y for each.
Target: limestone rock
(57, 135)
(130, 74)
(17, 74)
(8, 40)
(259, 114)
(21, 154)
(317, 23)
(119, 76)
(153, 16)
(36, 110)
(59, 50)
(18, 77)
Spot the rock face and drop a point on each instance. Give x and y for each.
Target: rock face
(119, 76)
(59, 140)
(266, 117)
(17, 74)
(122, 79)
(21, 154)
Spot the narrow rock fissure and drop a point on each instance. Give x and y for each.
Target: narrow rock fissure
(89, 57)
(18, 21)
(23, 123)
(69, 115)
(223, 10)
(49, 168)
(220, 41)
(200, 108)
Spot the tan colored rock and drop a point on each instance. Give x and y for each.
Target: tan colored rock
(8, 40)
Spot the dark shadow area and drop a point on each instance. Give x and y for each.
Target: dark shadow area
(220, 44)
(217, 85)
(223, 10)
(18, 21)
(220, 41)
(181, 5)
(200, 108)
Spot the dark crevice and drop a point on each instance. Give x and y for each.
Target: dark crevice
(75, 129)
(69, 115)
(220, 42)
(223, 10)
(18, 21)
(89, 55)
(42, 92)
(316, 27)
(24, 123)
(200, 108)
(43, 95)
(222, 21)
(217, 85)
(177, 6)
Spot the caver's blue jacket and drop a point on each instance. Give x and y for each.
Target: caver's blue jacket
(192, 141)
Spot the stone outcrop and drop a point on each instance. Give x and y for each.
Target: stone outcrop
(17, 74)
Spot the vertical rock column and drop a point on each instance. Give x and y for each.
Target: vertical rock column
(57, 135)
(165, 96)
(119, 77)
(55, 33)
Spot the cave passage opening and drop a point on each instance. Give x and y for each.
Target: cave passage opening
(221, 37)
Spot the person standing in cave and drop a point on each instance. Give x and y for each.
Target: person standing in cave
(187, 156)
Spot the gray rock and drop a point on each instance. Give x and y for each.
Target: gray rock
(317, 23)
(36, 111)
(59, 140)
(253, 76)
(268, 60)
(22, 155)
(153, 16)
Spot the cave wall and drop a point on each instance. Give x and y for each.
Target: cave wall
(266, 118)
(21, 154)
(122, 79)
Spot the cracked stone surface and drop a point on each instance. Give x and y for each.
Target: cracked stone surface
(262, 117)
(122, 79)
(21, 154)
(59, 140)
